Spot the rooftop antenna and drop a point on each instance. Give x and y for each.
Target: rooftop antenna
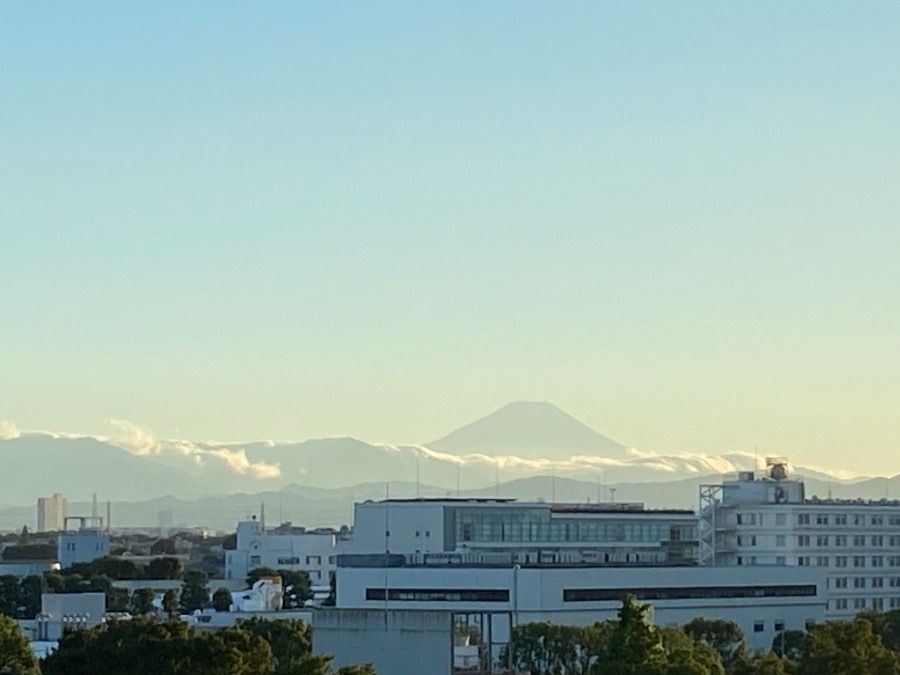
(262, 516)
(755, 457)
(605, 484)
(94, 514)
(387, 490)
(598, 487)
(497, 478)
(553, 485)
(108, 515)
(418, 478)
(458, 471)
(612, 492)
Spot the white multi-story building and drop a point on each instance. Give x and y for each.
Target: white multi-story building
(51, 513)
(566, 563)
(526, 532)
(283, 548)
(767, 520)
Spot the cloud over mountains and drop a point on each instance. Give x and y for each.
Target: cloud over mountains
(519, 441)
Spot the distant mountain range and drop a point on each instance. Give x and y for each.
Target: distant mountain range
(524, 449)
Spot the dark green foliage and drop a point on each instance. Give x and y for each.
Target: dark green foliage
(847, 647)
(10, 595)
(114, 568)
(170, 603)
(194, 593)
(32, 587)
(144, 646)
(789, 644)
(726, 637)
(16, 657)
(142, 602)
(164, 568)
(221, 600)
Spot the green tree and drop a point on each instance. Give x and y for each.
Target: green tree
(16, 657)
(847, 647)
(10, 595)
(790, 644)
(170, 603)
(726, 637)
(164, 568)
(634, 647)
(761, 663)
(25, 537)
(32, 587)
(686, 656)
(886, 626)
(296, 584)
(172, 648)
(289, 639)
(142, 601)
(194, 592)
(112, 567)
(221, 600)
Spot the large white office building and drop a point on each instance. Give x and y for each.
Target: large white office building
(525, 532)
(285, 547)
(767, 521)
(566, 563)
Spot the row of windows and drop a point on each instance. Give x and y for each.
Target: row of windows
(824, 520)
(849, 561)
(861, 603)
(860, 582)
(439, 594)
(690, 592)
(842, 540)
(595, 594)
(857, 520)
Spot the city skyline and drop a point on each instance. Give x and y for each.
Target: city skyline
(292, 222)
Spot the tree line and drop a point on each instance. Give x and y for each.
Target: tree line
(632, 645)
(21, 598)
(141, 646)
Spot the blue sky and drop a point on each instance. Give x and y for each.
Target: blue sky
(678, 221)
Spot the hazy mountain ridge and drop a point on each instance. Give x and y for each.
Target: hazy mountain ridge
(511, 444)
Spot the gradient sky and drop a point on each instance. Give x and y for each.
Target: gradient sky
(677, 221)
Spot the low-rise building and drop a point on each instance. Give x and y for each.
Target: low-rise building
(285, 547)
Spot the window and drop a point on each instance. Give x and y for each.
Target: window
(894, 560)
(780, 540)
(780, 519)
(255, 559)
(440, 594)
(876, 540)
(840, 561)
(859, 540)
(840, 520)
(803, 540)
(894, 520)
(689, 592)
(291, 560)
(822, 561)
(332, 559)
(313, 560)
(821, 519)
(840, 540)
(877, 582)
(822, 540)
(779, 626)
(859, 561)
(878, 604)
(746, 540)
(804, 560)
(859, 520)
(876, 520)
(895, 582)
(859, 582)
(840, 582)
(877, 561)
(803, 519)
(746, 519)
(840, 603)
(780, 560)
(759, 626)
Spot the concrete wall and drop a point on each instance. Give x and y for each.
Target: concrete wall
(413, 527)
(396, 643)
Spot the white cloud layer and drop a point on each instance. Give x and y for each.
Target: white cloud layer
(140, 441)
(8, 431)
